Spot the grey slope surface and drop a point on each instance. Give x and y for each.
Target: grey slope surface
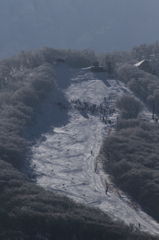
(65, 157)
(100, 25)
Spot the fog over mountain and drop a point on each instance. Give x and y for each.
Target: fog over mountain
(101, 25)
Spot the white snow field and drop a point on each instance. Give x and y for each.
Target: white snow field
(67, 138)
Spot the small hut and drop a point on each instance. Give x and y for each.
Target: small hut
(144, 65)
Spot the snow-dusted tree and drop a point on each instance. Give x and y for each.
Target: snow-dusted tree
(129, 106)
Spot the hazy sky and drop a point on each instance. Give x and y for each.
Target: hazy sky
(101, 25)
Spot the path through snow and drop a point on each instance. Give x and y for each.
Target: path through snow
(65, 158)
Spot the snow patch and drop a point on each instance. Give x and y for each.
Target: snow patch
(73, 123)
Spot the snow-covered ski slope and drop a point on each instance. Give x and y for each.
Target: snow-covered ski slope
(68, 135)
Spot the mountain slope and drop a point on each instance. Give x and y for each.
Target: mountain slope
(65, 157)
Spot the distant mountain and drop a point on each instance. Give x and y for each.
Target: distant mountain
(101, 25)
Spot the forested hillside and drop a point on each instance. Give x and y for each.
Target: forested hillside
(131, 154)
(27, 211)
(25, 80)
(145, 85)
(132, 159)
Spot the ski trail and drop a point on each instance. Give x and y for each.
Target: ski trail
(65, 159)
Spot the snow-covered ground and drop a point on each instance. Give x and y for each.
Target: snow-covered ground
(68, 134)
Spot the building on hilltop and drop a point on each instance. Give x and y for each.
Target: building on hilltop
(97, 68)
(144, 65)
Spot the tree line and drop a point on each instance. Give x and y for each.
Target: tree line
(131, 156)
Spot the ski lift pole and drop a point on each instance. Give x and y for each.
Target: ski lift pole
(153, 113)
(117, 123)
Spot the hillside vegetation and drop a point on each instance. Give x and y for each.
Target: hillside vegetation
(143, 84)
(25, 80)
(28, 212)
(131, 156)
